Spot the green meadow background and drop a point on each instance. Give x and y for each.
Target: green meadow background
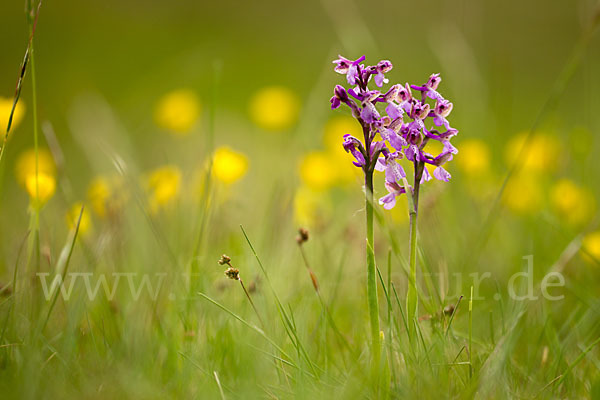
(173, 123)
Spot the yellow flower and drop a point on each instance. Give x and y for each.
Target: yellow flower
(177, 111)
(25, 165)
(316, 170)
(274, 108)
(163, 185)
(591, 243)
(573, 203)
(40, 190)
(229, 166)
(309, 207)
(523, 194)
(98, 194)
(5, 109)
(73, 215)
(334, 131)
(333, 134)
(399, 214)
(107, 195)
(541, 154)
(474, 157)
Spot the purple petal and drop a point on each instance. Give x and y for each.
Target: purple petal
(394, 172)
(432, 94)
(335, 102)
(369, 113)
(360, 159)
(441, 174)
(449, 148)
(379, 79)
(395, 140)
(412, 153)
(393, 111)
(360, 59)
(426, 176)
(388, 201)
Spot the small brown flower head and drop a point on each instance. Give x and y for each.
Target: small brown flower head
(233, 273)
(449, 310)
(225, 259)
(302, 236)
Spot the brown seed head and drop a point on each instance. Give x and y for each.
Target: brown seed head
(225, 259)
(233, 273)
(302, 235)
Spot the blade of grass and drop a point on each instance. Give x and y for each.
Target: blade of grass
(453, 314)
(249, 325)
(471, 334)
(66, 267)
(578, 360)
(219, 385)
(14, 287)
(290, 329)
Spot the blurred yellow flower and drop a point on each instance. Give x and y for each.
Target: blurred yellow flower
(316, 170)
(98, 194)
(340, 161)
(73, 215)
(523, 194)
(309, 207)
(334, 131)
(106, 195)
(474, 157)
(5, 109)
(573, 203)
(229, 166)
(163, 186)
(25, 165)
(541, 154)
(40, 190)
(399, 213)
(591, 243)
(274, 108)
(177, 111)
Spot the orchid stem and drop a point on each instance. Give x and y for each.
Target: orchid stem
(371, 278)
(412, 295)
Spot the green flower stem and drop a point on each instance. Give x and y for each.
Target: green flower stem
(371, 278)
(412, 296)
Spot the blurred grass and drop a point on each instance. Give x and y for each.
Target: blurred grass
(102, 70)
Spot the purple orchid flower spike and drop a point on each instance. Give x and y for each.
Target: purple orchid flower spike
(405, 128)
